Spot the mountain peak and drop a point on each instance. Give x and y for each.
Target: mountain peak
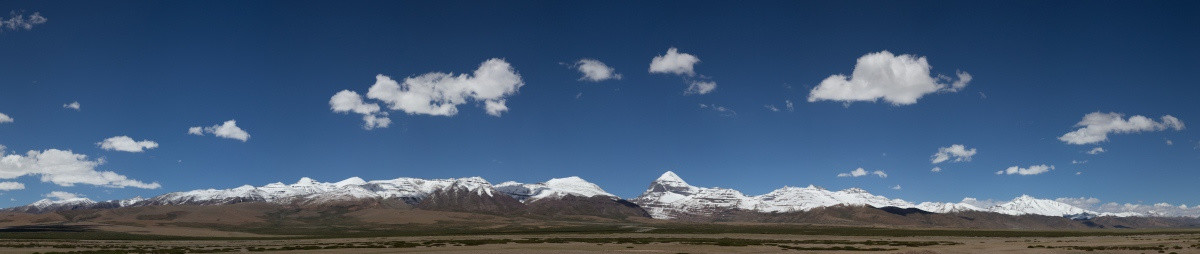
(305, 181)
(351, 181)
(1025, 197)
(670, 177)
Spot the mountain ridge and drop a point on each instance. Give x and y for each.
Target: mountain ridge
(667, 197)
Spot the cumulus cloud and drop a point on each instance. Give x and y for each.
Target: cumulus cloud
(18, 20)
(899, 80)
(958, 152)
(723, 110)
(434, 93)
(73, 105)
(196, 131)
(440, 94)
(1078, 161)
(1095, 127)
(700, 87)
(64, 168)
(1031, 170)
(595, 71)
(5, 118)
(7, 186)
(897, 187)
(1169, 142)
(126, 144)
(936, 169)
(229, 130)
(682, 64)
(862, 172)
(1096, 150)
(349, 101)
(674, 63)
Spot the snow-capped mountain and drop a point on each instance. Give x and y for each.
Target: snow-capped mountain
(554, 188)
(669, 196)
(1029, 205)
(45, 205)
(309, 191)
(939, 207)
(792, 199)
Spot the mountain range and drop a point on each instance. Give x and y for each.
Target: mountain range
(667, 198)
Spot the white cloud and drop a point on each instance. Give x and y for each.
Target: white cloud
(376, 121)
(981, 203)
(772, 108)
(73, 105)
(899, 80)
(674, 63)
(435, 93)
(5, 118)
(1095, 127)
(1078, 172)
(959, 152)
(897, 187)
(7, 186)
(700, 87)
(790, 107)
(961, 82)
(126, 144)
(1031, 170)
(350, 101)
(723, 110)
(862, 172)
(683, 64)
(936, 169)
(595, 71)
(229, 130)
(1096, 150)
(1080, 202)
(63, 168)
(62, 195)
(495, 107)
(18, 20)
(1078, 161)
(1169, 142)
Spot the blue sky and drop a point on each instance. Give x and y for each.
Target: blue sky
(152, 70)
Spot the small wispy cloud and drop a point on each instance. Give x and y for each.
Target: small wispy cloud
(863, 172)
(1031, 170)
(723, 110)
(73, 105)
(958, 152)
(17, 20)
